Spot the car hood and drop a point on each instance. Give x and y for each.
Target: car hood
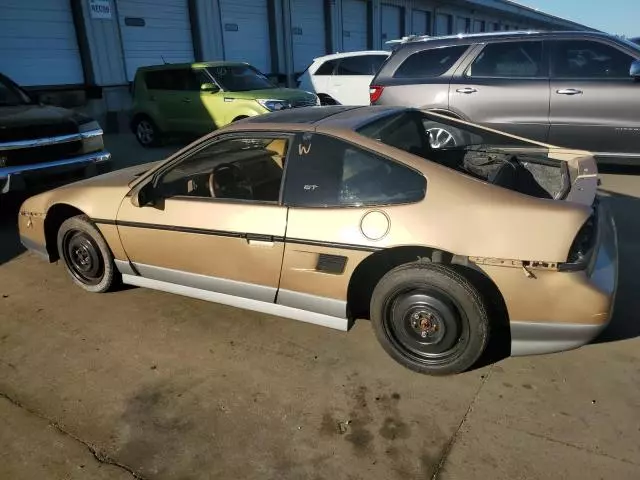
(97, 197)
(24, 122)
(289, 94)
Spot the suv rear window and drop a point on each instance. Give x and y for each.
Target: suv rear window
(430, 63)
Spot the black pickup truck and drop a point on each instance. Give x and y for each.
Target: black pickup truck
(43, 144)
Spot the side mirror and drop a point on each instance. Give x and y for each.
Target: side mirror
(145, 195)
(635, 69)
(209, 87)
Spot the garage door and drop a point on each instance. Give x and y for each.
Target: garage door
(420, 22)
(391, 24)
(308, 29)
(154, 32)
(38, 44)
(443, 24)
(245, 32)
(354, 25)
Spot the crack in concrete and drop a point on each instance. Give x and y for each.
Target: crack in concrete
(101, 457)
(454, 437)
(577, 447)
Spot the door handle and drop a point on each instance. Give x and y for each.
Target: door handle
(466, 90)
(569, 91)
(186, 100)
(256, 239)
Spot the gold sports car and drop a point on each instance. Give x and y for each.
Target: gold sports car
(330, 214)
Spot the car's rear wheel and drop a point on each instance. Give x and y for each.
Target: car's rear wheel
(430, 319)
(147, 132)
(86, 255)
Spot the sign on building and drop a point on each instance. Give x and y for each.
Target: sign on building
(100, 9)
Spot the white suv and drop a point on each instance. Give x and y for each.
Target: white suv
(343, 78)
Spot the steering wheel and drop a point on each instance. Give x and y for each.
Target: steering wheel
(224, 176)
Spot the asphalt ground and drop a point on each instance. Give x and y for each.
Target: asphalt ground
(143, 384)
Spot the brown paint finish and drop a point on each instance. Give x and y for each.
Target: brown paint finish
(551, 296)
(214, 255)
(299, 272)
(112, 237)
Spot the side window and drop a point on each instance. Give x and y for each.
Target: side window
(326, 68)
(358, 65)
(588, 59)
(509, 59)
(173, 79)
(328, 172)
(376, 62)
(185, 80)
(430, 63)
(242, 168)
(157, 80)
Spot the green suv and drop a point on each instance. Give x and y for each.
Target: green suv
(200, 97)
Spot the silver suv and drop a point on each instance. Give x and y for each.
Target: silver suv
(573, 89)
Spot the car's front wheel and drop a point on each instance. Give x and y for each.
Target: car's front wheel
(429, 318)
(146, 132)
(86, 255)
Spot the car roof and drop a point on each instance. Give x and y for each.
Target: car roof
(168, 66)
(333, 56)
(466, 38)
(309, 118)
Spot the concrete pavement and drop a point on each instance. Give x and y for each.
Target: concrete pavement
(146, 384)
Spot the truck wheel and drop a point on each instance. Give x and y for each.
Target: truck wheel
(86, 255)
(430, 319)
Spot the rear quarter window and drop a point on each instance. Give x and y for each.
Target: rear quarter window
(430, 63)
(326, 68)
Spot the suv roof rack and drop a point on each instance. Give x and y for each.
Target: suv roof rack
(425, 38)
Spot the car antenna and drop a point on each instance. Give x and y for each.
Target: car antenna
(165, 62)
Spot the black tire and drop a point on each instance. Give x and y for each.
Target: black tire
(86, 255)
(430, 319)
(146, 132)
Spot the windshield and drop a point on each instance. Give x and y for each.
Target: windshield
(240, 78)
(11, 94)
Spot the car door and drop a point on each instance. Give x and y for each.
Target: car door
(189, 113)
(340, 198)
(350, 83)
(594, 100)
(217, 224)
(505, 86)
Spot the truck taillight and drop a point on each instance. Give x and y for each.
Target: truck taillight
(375, 91)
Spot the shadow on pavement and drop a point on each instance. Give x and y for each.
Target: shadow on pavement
(625, 323)
(10, 246)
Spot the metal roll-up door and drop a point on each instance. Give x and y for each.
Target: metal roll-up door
(308, 28)
(420, 22)
(38, 43)
(391, 24)
(154, 32)
(245, 32)
(355, 29)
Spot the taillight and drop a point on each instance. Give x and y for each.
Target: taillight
(375, 91)
(582, 247)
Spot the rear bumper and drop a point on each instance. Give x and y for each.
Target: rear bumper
(532, 338)
(17, 178)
